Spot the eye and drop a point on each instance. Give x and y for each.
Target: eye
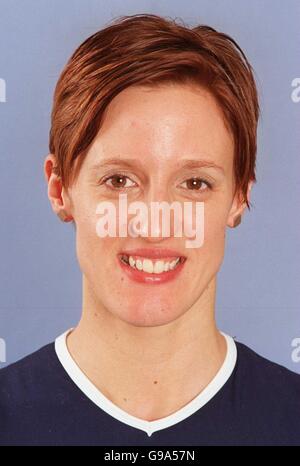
(119, 181)
(196, 183)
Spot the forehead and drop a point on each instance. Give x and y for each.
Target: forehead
(164, 123)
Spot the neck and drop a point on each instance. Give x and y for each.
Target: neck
(149, 372)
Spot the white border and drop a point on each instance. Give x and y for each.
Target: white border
(94, 394)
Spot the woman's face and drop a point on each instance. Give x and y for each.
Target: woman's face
(157, 138)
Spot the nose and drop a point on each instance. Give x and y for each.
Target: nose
(163, 215)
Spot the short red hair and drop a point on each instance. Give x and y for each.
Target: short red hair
(146, 49)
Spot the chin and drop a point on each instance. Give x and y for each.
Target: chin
(150, 314)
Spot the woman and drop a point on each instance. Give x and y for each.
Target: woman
(158, 112)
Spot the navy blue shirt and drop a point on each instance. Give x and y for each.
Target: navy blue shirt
(45, 399)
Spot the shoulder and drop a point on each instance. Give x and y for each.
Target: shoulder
(28, 364)
(29, 378)
(266, 398)
(267, 386)
(265, 370)
(34, 391)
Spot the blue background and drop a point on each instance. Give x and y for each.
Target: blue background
(258, 299)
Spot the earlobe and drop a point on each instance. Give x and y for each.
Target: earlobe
(238, 207)
(56, 193)
(234, 220)
(237, 220)
(64, 217)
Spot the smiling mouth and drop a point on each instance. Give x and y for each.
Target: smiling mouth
(157, 267)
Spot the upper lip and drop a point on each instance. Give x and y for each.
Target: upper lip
(153, 253)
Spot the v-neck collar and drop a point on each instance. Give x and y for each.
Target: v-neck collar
(94, 394)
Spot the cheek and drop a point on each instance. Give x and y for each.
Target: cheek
(90, 248)
(215, 224)
(94, 254)
(214, 234)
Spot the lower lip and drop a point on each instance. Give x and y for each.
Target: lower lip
(151, 278)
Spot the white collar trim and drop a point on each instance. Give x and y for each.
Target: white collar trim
(94, 394)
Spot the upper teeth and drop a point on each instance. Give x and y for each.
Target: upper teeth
(149, 266)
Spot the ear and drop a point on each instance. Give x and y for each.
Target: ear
(57, 194)
(237, 208)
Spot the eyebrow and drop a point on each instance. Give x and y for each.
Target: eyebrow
(188, 163)
(195, 163)
(115, 161)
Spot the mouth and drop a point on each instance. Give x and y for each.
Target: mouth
(152, 266)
